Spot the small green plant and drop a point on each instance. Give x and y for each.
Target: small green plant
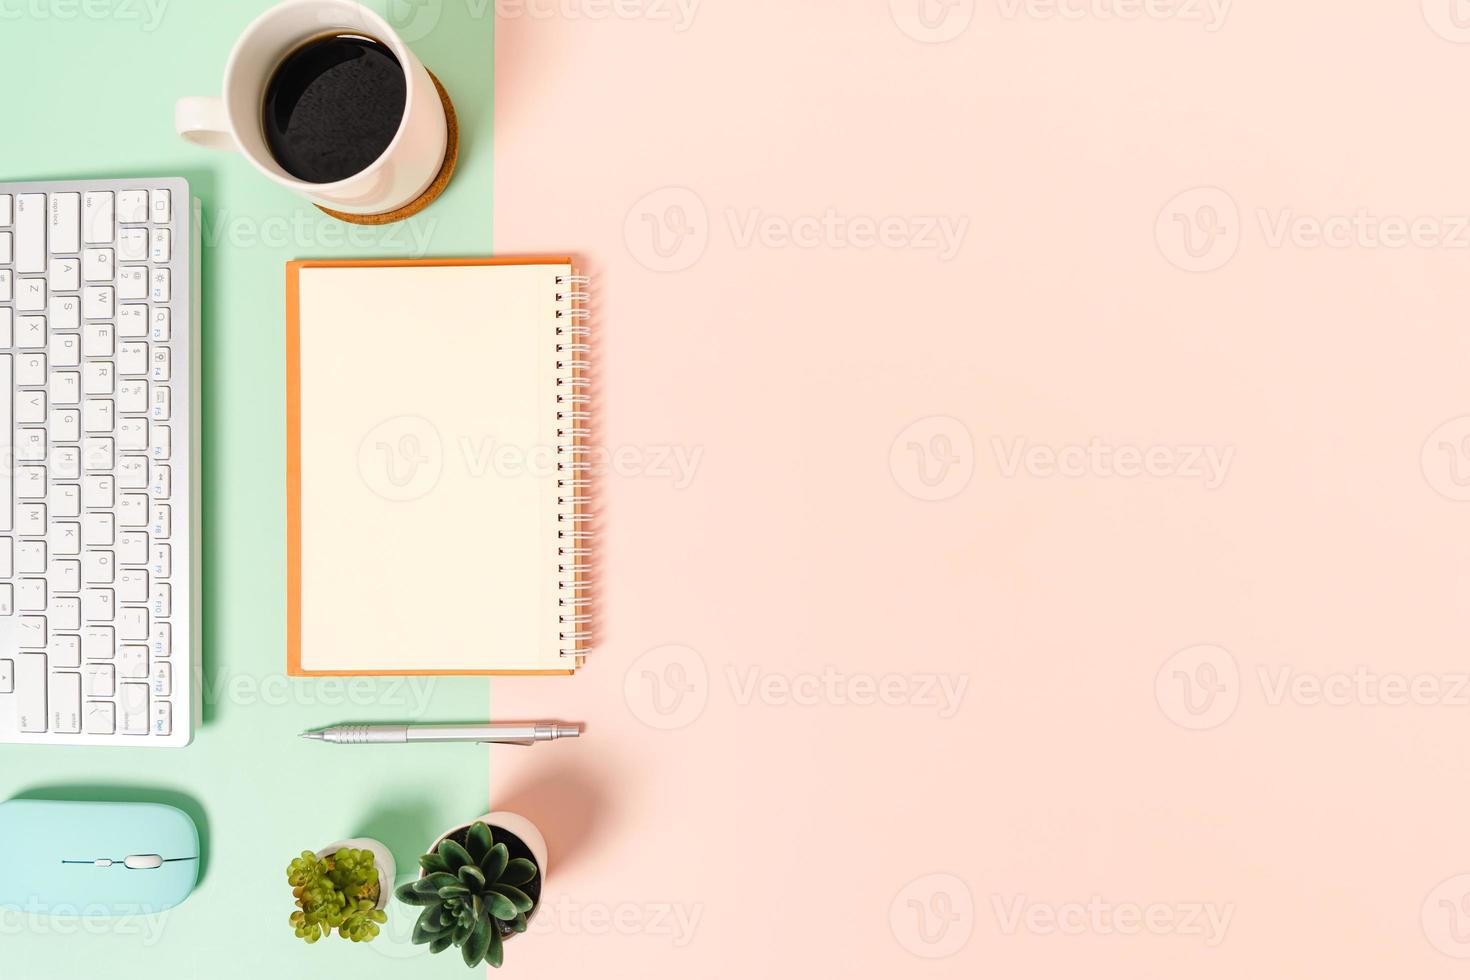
(471, 896)
(339, 891)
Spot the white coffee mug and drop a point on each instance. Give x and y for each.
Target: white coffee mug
(233, 122)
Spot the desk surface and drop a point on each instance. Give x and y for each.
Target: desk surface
(100, 83)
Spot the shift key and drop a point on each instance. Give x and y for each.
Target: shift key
(30, 233)
(30, 691)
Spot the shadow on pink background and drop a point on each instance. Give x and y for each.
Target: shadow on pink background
(1037, 510)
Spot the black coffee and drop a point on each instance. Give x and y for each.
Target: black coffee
(332, 107)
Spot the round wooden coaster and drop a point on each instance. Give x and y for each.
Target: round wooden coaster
(451, 155)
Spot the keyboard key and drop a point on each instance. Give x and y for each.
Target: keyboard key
(7, 247)
(66, 350)
(163, 718)
(97, 643)
(162, 403)
(132, 623)
(7, 557)
(132, 359)
(161, 601)
(98, 606)
(160, 439)
(132, 701)
(160, 205)
(30, 595)
(31, 519)
(162, 641)
(65, 274)
(132, 586)
(7, 676)
(7, 599)
(97, 213)
(132, 510)
(66, 703)
(161, 678)
(98, 530)
(30, 295)
(66, 222)
(97, 340)
(30, 557)
(132, 245)
(132, 660)
(132, 320)
(67, 536)
(132, 436)
(97, 265)
(162, 329)
(160, 525)
(160, 245)
(132, 207)
(98, 302)
(5, 210)
(99, 567)
(66, 463)
(65, 313)
(7, 286)
(132, 547)
(65, 650)
(97, 415)
(30, 234)
(66, 425)
(97, 378)
(160, 561)
(161, 370)
(132, 282)
(30, 631)
(30, 407)
(30, 690)
(132, 396)
(160, 289)
(65, 575)
(66, 500)
(31, 332)
(65, 613)
(101, 717)
(98, 491)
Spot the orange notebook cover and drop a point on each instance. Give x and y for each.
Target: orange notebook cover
(435, 467)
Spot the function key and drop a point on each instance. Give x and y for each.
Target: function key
(160, 206)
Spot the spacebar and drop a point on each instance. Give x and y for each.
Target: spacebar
(7, 438)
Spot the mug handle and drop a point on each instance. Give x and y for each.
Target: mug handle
(201, 120)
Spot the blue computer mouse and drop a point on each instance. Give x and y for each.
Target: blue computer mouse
(95, 859)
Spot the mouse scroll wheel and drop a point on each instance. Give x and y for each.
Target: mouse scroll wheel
(143, 862)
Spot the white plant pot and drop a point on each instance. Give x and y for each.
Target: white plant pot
(512, 823)
(382, 862)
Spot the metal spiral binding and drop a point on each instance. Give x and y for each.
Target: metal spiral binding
(573, 467)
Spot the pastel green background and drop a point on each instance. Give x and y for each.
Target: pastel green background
(90, 90)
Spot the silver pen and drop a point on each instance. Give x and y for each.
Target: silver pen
(392, 734)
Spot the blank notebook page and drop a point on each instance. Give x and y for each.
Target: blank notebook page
(428, 501)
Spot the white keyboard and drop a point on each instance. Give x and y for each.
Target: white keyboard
(99, 313)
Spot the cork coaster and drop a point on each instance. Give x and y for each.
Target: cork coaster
(451, 155)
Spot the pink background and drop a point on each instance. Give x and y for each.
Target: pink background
(1140, 729)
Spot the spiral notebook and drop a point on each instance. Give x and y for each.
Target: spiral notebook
(436, 482)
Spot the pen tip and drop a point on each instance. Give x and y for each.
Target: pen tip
(316, 735)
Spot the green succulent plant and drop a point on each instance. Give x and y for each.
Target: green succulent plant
(471, 896)
(339, 891)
